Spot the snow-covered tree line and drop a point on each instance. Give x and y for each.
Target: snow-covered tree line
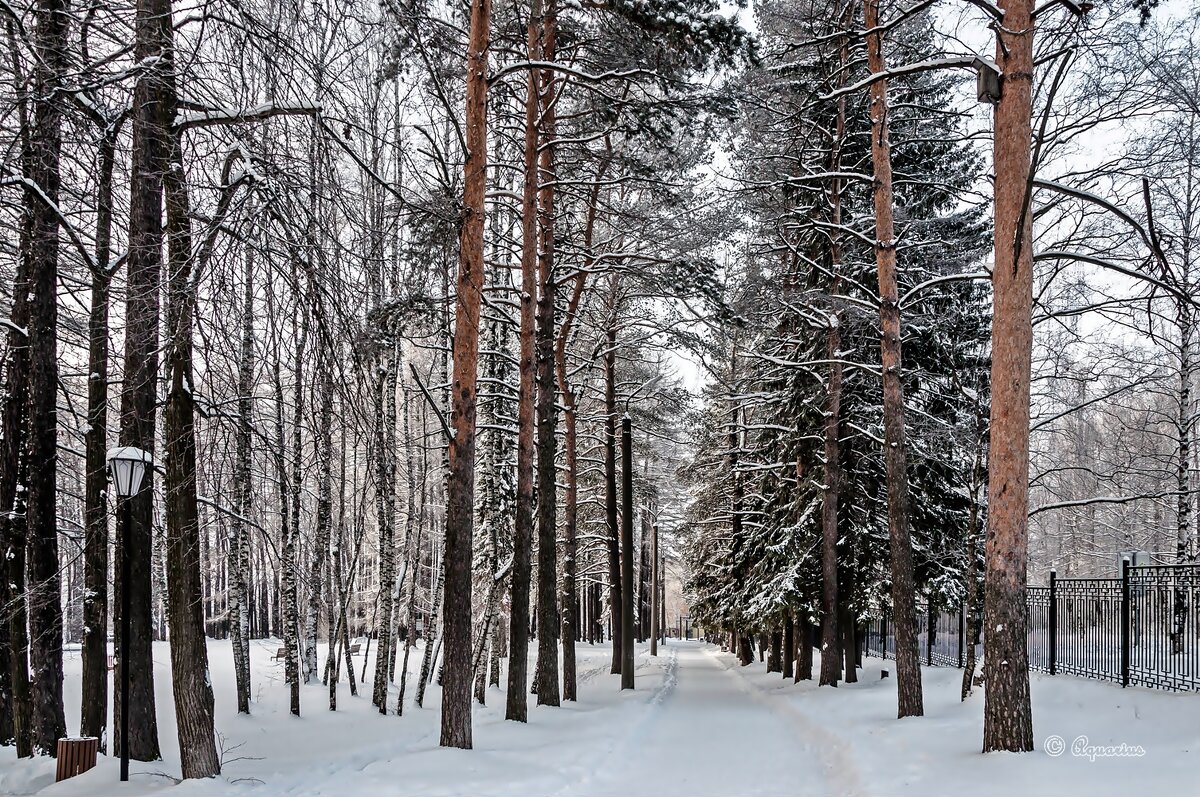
(247, 264)
(375, 284)
(858, 163)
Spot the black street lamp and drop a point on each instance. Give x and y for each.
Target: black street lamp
(127, 466)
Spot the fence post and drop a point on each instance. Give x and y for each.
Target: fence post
(1124, 622)
(930, 632)
(883, 636)
(1053, 630)
(961, 630)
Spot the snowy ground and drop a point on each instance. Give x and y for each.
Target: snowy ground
(697, 724)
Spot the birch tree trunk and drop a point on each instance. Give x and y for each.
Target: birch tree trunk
(316, 569)
(238, 559)
(385, 513)
(431, 631)
(1183, 509)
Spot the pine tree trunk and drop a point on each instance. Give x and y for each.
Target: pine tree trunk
(789, 646)
(460, 487)
(190, 682)
(804, 649)
(830, 641)
(1008, 723)
(775, 653)
(737, 535)
(547, 411)
(848, 638)
(570, 618)
(643, 579)
(908, 662)
(831, 662)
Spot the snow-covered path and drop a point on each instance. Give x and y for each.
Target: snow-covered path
(697, 724)
(699, 738)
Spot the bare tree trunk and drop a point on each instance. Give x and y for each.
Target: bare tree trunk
(547, 412)
(516, 701)
(904, 606)
(190, 682)
(149, 161)
(615, 597)
(13, 466)
(41, 440)
(1008, 722)
(94, 704)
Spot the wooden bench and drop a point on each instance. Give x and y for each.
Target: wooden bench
(76, 756)
(355, 648)
(279, 654)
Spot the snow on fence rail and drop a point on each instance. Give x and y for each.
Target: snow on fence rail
(1142, 628)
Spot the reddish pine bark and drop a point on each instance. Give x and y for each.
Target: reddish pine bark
(908, 663)
(460, 485)
(1008, 723)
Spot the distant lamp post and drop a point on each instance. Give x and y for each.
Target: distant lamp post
(127, 466)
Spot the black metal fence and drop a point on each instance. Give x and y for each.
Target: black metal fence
(1142, 628)
(941, 642)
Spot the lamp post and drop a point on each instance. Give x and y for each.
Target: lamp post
(127, 466)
